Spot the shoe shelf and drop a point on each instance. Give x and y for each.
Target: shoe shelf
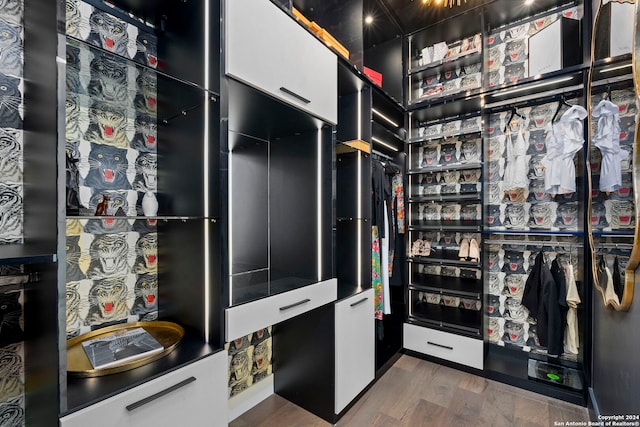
(446, 225)
(462, 59)
(465, 287)
(446, 168)
(445, 197)
(445, 261)
(439, 316)
(422, 137)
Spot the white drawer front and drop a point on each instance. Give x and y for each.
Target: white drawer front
(266, 49)
(355, 347)
(247, 318)
(451, 347)
(199, 398)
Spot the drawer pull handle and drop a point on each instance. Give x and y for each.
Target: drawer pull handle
(295, 95)
(159, 394)
(287, 307)
(440, 345)
(359, 302)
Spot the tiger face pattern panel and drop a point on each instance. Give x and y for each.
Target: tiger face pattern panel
(111, 109)
(12, 377)
(507, 60)
(614, 211)
(11, 116)
(112, 272)
(249, 360)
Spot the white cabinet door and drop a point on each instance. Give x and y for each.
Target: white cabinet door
(355, 347)
(269, 51)
(195, 395)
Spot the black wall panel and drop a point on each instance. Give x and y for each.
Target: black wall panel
(386, 58)
(293, 209)
(250, 201)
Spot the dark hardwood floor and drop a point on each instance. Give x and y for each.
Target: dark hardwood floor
(414, 392)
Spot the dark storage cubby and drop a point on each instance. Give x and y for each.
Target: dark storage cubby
(279, 172)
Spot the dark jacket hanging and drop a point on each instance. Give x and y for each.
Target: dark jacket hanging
(540, 297)
(618, 282)
(558, 275)
(381, 192)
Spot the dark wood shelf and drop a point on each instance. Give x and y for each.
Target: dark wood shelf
(26, 254)
(466, 58)
(445, 261)
(460, 320)
(446, 225)
(444, 168)
(445, 198)
(434, 108)
(419, 139)
(450, 285)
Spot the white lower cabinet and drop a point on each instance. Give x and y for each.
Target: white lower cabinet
(195, 395)
(355, 347)
(445, 345)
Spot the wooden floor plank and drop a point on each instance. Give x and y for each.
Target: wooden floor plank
(535, 411)
(425, 413)
(415, 392)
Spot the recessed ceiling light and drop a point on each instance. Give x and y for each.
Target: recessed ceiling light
(368, 19)
(529, 1)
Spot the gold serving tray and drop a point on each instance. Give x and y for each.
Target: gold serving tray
(168, 334)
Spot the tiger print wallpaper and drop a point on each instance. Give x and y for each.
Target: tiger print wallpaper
(249, 360)
(112, 272)
(11, 115)
(12, 408)
(111, 110)
(111, 137)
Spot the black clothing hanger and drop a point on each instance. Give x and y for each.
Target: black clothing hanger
(560, 104)
(514, 112)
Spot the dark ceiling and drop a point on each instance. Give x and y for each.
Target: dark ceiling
(394, 18)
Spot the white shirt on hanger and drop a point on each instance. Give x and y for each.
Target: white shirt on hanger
(607, 139)
(515, 173)
(564, 139)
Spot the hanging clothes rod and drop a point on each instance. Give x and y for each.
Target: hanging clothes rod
(614, 246)
(613, 80)
(519, 102)
(379, 154)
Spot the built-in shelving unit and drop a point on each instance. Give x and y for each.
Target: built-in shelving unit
(141, 103)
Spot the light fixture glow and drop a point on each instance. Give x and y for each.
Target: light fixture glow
(206, 130)
(382, 116)
(529, 87)
(359, 118)
(528, 2)
(618, 67)
(368, 19)
(384, 144)
(319, 191)
(359, 195)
